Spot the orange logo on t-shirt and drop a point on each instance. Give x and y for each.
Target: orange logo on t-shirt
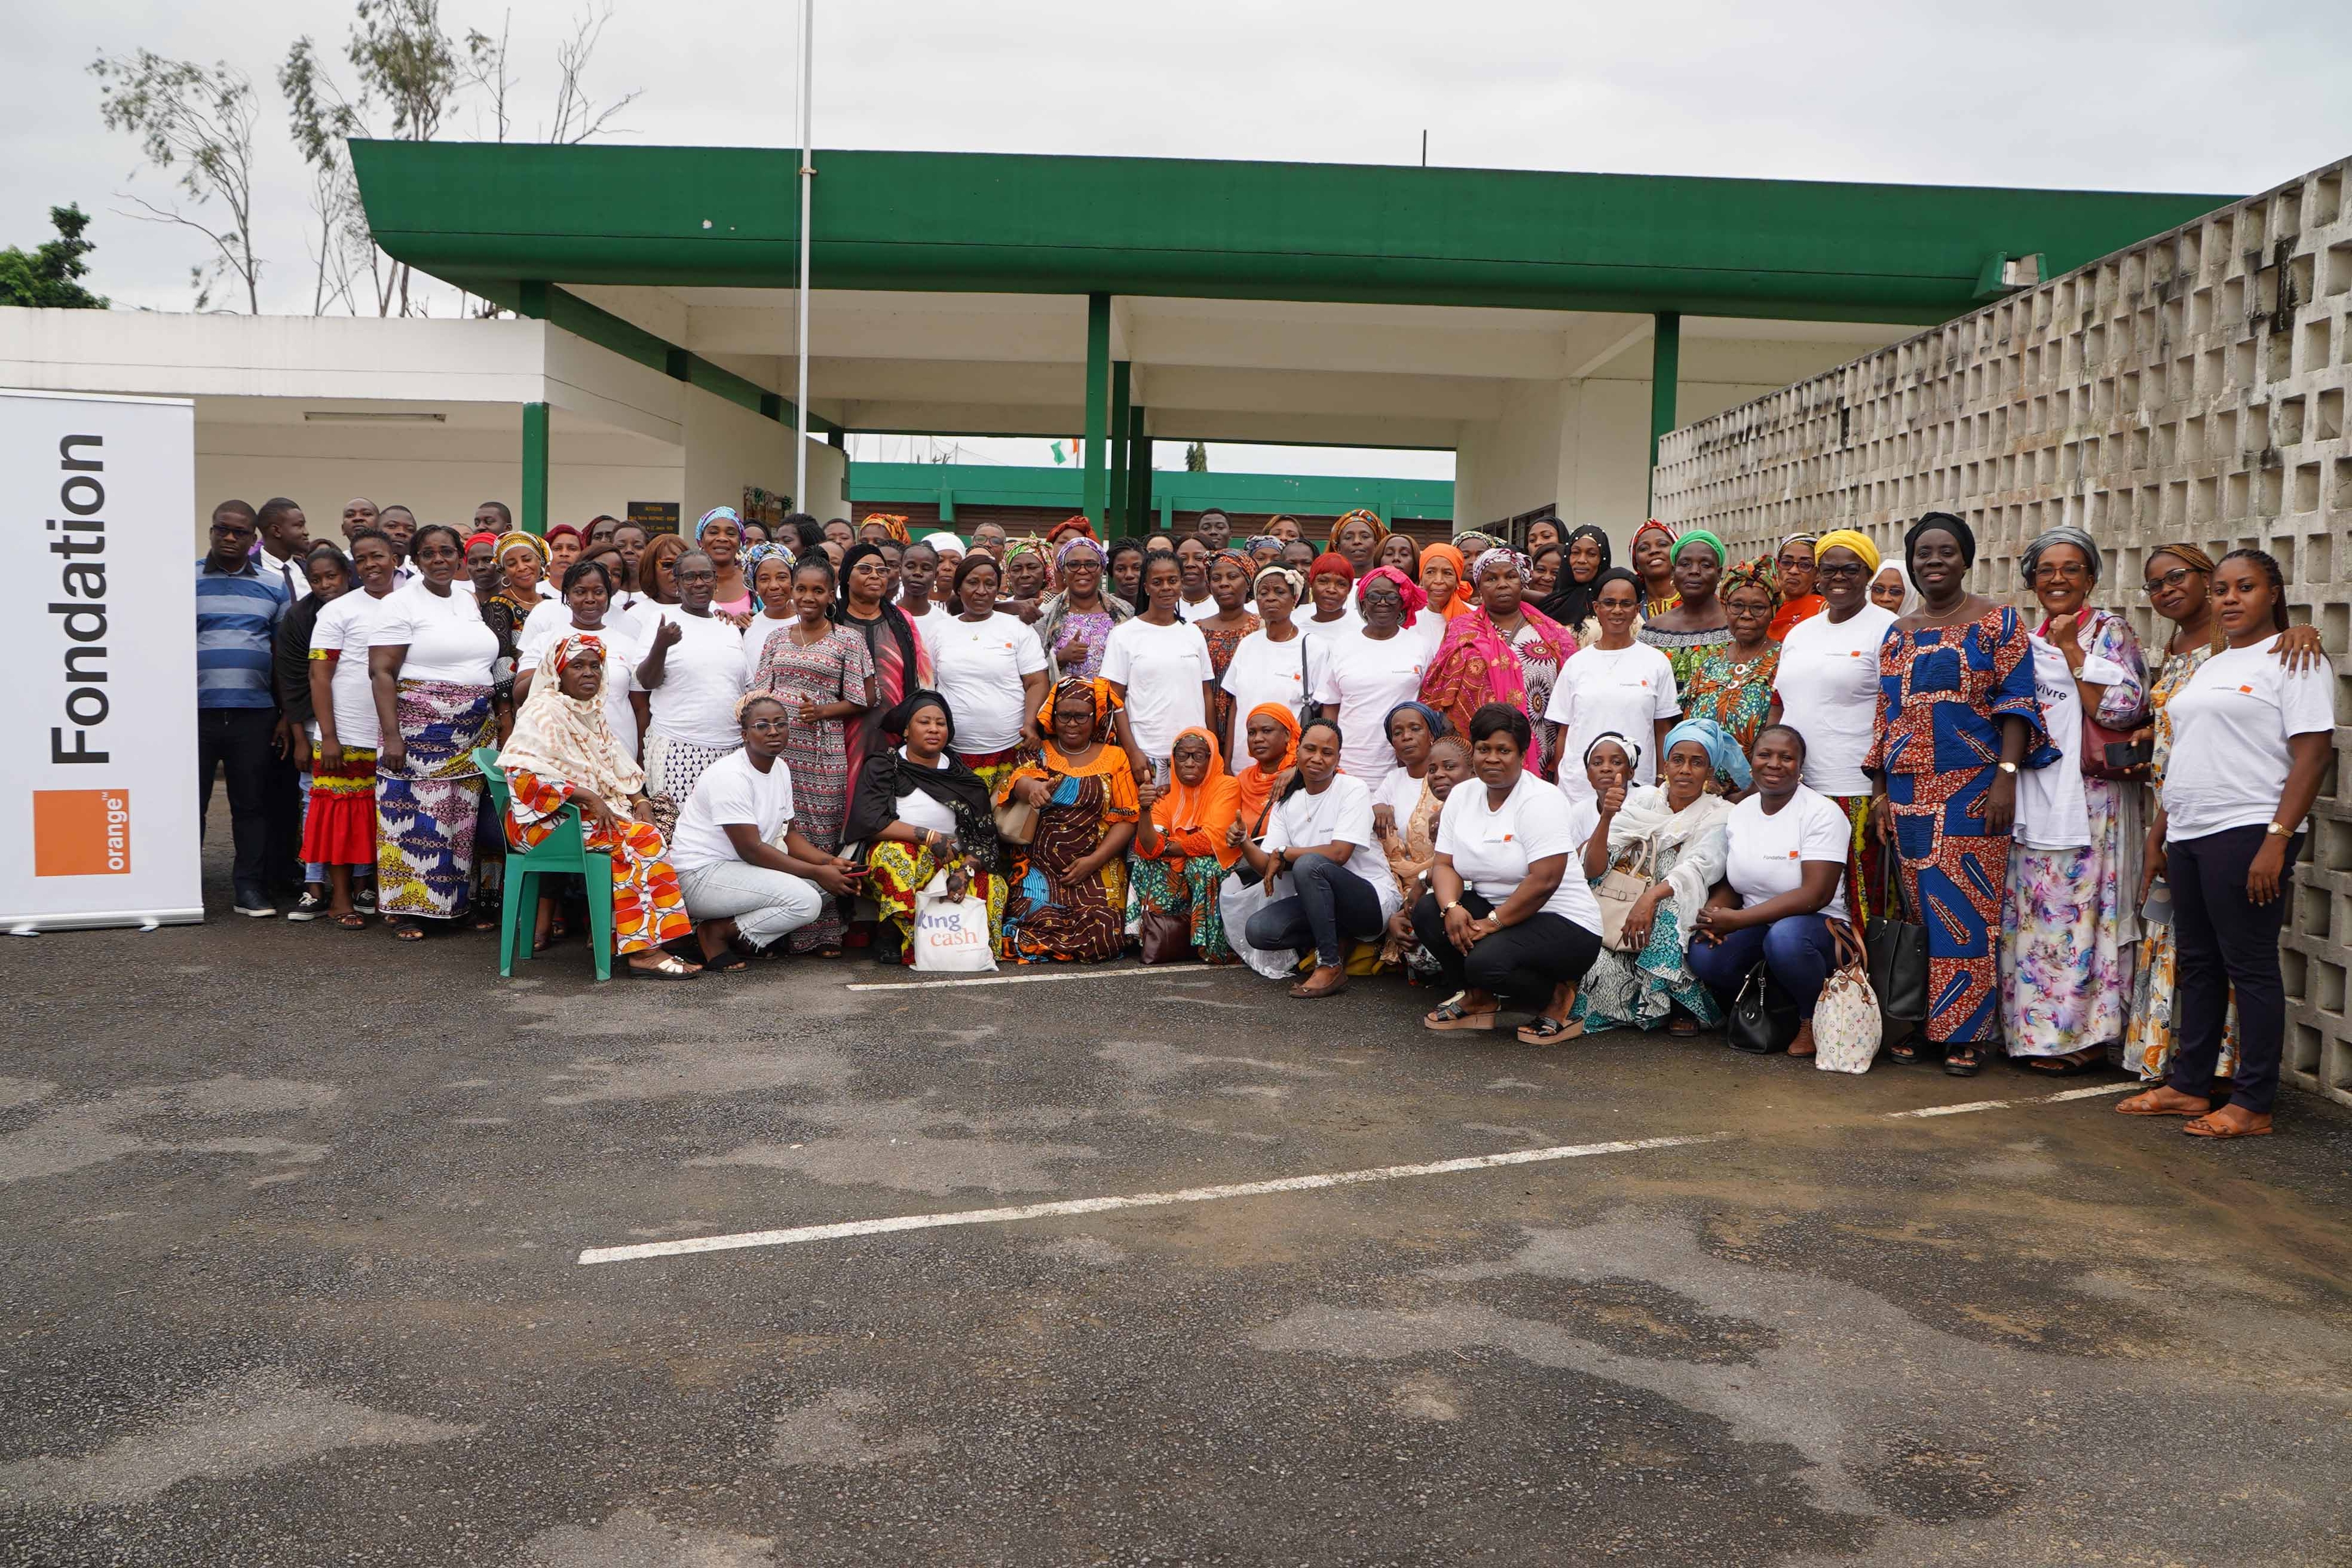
(2247, 690)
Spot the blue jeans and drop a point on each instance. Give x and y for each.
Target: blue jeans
(1797, 949)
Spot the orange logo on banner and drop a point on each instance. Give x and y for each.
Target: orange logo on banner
(81, 832)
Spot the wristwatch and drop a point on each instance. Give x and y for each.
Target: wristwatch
(2278, 830)
(2007, 767)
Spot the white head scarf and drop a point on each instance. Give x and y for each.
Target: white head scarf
(566, 738)
(1903, 576)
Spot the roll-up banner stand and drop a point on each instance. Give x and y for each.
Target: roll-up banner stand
(98, 711)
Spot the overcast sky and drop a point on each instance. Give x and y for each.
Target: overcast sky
(2148, 95)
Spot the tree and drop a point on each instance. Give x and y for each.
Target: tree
(197, 122)
(47, 278)
(1196, 457)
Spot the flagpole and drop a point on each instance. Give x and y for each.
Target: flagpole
(801, 312)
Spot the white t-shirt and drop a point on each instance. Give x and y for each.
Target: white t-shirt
(1399, 792)
(444, 634)
(702, 679)
(1600, 690)
(551, 614)
(1764, 856)
(926, 624)
(1351, 621)
(1342, 813)
(1367, 676)
(917, 808)
(1829, 693)
(1200, 612)
(623, 653)
(730, 790)
(1492, 847)
(1162, 669)
(979, 666)
(1262, 671)
(2229, 729)
(2053, 812)
(344, 627)
(464, 585)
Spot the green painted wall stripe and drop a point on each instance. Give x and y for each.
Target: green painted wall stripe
(485, 215)
(534, 467)
(980, 484)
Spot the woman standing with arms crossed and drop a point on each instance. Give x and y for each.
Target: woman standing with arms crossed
(2252, 739)
(1826, 688)
(1957, 719)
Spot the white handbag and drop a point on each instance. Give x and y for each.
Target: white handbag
(1619, 890)
(952, 933)
(1846, 1025)
(1236, 901)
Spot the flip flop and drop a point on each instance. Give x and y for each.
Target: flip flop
(2066, 1066)
(727, 963)
(2137, 1106)
(350, 921)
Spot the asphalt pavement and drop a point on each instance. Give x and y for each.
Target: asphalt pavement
(291, 1222)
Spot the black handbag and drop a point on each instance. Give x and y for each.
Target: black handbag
(1899, 957)
(1764, 1017)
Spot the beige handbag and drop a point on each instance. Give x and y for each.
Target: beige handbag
(1619, 891)
(1846, 1023)
(1017, 821)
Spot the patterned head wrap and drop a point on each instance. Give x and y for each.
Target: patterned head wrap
(1257, 542)
(892, 524)
(757, 694)
(1703, 536)
(484, 537)
(1016, 548)
(1651, 525)
(1077, 523)
(1333, 564)
(1500, 555)
(1847, 539)
(1077, 543)
(1723, 751)
(1948, 523)
(572, 649)
(766, 550)
(1472, 540)
(571, 738)
(1380, 529)
(1415, 600)
(1789, 539)
(717, 514)
(1599, 538)
(509, 541)
(1757, 573)
(2190, 556)
(2041, 543)
(1097, 692)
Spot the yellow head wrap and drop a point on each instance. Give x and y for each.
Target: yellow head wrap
(1848, 539)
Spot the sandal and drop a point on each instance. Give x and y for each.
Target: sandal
(408, 930)
(2206, 1127)
(1963, 1061)
(349, 921)
(1541, 1030)
(668, 967)
(1452, 1015)
(2067, 1065)
(730, 961)
(2144, 1103)
(1904, 1051)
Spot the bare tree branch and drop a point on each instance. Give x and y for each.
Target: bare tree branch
(196, 121)
(577, 117)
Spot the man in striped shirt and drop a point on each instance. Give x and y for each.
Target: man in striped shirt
(238, 727)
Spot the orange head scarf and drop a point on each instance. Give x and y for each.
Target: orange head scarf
(1461, 602)
(1255, 785)
(1361, 514)
(1192, 819)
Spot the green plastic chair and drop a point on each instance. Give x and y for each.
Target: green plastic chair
(564, 851)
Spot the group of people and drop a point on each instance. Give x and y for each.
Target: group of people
(1607, 797)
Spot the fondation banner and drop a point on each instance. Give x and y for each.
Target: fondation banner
(98, 707)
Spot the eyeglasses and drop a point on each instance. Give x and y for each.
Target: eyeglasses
(768, 723)
(2172, 579)
(1855, 570)
(2065, 572)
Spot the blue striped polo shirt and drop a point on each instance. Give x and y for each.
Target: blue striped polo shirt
(237, 630)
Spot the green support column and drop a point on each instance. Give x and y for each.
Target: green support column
(1097, 488)
(1138, 474)
(534, 467)
(1120, 392)
(1666, 370)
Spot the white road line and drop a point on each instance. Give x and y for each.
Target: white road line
(1966, 1106)
(1009, 979)
(1131, 1201)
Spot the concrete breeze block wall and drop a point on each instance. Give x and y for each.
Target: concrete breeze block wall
(2190, 388)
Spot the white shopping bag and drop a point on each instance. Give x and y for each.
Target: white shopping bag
(1236, 901)
(952, 932)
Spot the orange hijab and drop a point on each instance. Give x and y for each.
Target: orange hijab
(1192, 819)
(1254, 785)
(1461, 601)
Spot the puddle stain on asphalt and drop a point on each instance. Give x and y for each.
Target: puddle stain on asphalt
(94, 1132)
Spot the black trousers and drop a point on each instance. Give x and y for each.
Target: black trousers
(1331, 906)
(2226, 940)
(235, 741)
(1523, 963)
(282, 805)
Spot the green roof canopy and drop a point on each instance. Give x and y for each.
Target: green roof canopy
(489, 216)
